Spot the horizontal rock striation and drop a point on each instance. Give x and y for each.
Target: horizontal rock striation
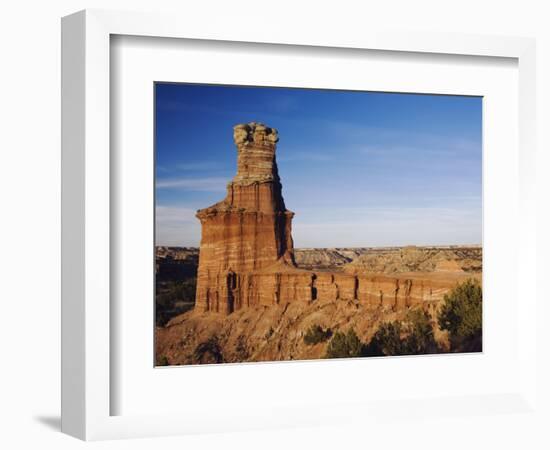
(249, 230)
(374, 291)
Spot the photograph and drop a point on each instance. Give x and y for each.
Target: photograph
(298, 224)
(280, 225)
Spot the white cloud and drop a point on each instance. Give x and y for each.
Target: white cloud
(291, 155)
(175, 214)
(195, 166)
(357, 227)
(176, 226)
(207, 184)
(199, 166)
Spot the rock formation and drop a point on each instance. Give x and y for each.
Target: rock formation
(249, 230)
(254, 303)
(247, 256)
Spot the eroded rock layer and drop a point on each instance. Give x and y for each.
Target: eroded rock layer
(394, 292)
(249, 230)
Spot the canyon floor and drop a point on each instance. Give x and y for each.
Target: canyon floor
(277, 332)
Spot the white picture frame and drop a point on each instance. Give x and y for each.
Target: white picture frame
(86, 239)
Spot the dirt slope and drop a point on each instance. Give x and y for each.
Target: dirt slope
(271, 333)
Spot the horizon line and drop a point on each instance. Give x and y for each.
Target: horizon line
(351, 247)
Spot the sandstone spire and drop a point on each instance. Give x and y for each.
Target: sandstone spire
(250, 229)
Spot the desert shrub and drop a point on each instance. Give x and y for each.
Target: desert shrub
(419, 334)
(174, 298)
(162, 360)
(177, 291)
(461, 316)
(269, 333)
(208, 352)
(386, 341)
(241, 350)
(316, 334)
(344, 345)
(413, 336)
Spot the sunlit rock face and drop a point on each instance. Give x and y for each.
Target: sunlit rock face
(249, 230)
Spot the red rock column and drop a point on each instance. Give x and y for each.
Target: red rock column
(250, 229)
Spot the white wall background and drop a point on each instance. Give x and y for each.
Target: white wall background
(30, 196)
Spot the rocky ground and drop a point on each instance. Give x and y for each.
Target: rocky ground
(273, 333)
(417, 259)
(330, 259)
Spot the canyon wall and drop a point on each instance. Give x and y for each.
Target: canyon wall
(389, 292)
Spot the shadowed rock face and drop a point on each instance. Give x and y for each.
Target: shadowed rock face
(250, 229)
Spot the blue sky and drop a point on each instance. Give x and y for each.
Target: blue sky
(358, 168)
